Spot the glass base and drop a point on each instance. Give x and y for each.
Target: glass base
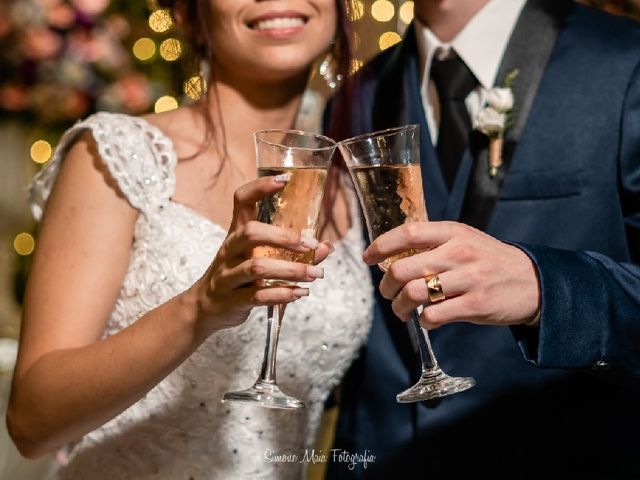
(265, 395)
(435, 384)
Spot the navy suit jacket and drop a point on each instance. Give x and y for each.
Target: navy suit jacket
(562, 398)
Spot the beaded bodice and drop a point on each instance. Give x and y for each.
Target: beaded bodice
(180, 430)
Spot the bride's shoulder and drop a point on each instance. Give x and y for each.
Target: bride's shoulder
(183, 126)
(169, 122)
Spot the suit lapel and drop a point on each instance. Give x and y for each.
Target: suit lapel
(402, 71)
(529, 49)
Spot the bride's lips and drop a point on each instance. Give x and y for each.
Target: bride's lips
(278, 24)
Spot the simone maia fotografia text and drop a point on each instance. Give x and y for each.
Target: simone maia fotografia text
(335, 455)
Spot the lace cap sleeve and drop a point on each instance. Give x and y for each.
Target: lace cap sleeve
(137, 154)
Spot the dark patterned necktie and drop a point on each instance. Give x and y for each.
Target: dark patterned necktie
(454, 81)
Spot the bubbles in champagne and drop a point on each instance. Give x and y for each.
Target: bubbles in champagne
(390, 195)
(295, 206)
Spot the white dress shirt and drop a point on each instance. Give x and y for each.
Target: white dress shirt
(480, 44)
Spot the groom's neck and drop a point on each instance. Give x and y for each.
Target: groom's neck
(446, 18)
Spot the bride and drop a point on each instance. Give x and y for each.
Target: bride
(139, 307)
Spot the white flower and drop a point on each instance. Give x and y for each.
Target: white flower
(500, 99)
(490, 121)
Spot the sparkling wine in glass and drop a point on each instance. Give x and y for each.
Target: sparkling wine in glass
(305, 157)
(385, 168)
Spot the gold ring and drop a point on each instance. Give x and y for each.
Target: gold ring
(434, 289)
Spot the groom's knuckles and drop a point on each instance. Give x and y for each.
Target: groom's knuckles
(415, 292)
(412, 233)
(435, 315)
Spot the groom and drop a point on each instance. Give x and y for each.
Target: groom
(555, 346)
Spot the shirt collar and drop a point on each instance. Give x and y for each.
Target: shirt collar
(480, 44)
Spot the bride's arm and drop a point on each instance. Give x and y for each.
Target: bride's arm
(67, 380)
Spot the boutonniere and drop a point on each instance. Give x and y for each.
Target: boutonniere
(494, 119)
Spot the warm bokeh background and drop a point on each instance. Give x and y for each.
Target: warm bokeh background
(61, 60)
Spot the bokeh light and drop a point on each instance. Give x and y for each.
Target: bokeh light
(165, 104)
(194, 87)
(160, 21)
(355, 10)
(388, 39)
(41, 151)
(406, 12)
(171, 49)
(357, 40)
(144, 49)
(382, 10)
(356, 65)
(24, 244)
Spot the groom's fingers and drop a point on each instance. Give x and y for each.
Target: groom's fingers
(411, 235)
(415, 293)
(417, 266)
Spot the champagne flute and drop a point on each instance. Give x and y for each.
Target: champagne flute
(305, 157)
(385, 169)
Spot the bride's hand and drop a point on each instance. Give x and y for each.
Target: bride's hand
(231, 286)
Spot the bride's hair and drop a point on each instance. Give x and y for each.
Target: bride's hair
(193, 17)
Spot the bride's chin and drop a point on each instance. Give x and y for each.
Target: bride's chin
(282, 75)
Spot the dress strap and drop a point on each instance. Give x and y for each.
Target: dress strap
(137, 154)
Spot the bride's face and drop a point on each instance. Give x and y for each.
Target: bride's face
(270, 39)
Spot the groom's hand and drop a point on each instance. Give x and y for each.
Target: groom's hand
(483, 280)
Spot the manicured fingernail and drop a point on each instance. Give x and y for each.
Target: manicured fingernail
(309, 242)
(331, 247)
(301, 292)
(282, 178)
(315, 272)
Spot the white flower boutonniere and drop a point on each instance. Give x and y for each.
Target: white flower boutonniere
(495, 118)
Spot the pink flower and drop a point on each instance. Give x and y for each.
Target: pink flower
(61, 16)
(14, 98)
(117, 26)
(91, 7)
(5, 26)
(41, 43)
(109, 53)
(79, 45)
(134, 92)
(76, 105)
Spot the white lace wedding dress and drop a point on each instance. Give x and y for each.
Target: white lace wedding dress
(180, 430)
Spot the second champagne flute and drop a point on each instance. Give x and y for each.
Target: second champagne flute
(305, 157)
(385, 168)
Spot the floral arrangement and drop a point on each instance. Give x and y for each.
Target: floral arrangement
(494, 119)
(64, 59)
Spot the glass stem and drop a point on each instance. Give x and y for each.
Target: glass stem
(427, 358)
(268, 369)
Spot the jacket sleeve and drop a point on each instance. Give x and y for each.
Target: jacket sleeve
(590, 313)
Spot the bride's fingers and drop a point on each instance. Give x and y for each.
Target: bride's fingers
(246, 196)
(240, 242)
(256, 296)
(270, 268)
(323, 250)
